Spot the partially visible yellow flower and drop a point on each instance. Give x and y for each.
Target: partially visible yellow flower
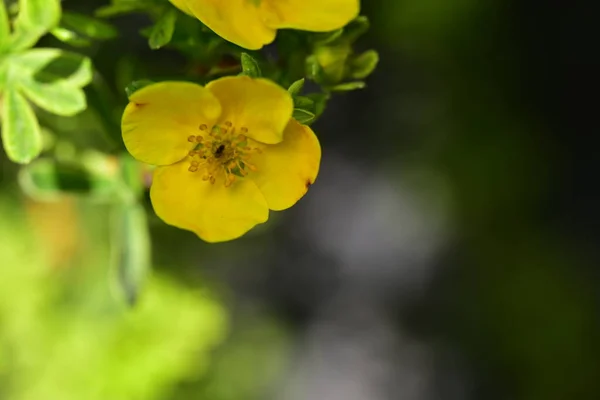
(253, 23)
(226, 153)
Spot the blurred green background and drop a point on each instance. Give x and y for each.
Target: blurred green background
(448, 249)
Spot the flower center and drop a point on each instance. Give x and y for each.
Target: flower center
(221, 151)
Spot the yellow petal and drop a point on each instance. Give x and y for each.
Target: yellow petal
(214, 212)
(160, 117)
(238, 21)
(258, 107)
(181, 4)
(312, 15)
(286, 170)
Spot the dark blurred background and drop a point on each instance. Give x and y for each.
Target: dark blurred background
(447, 250)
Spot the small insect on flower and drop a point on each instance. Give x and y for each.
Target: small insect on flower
(223, 162)
(219, 151)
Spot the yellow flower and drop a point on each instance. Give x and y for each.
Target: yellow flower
(253, 23)
(226, 153)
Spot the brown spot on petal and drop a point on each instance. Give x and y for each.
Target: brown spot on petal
(307, 184)
(140, 104)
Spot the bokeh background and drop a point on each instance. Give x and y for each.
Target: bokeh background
(448, 249)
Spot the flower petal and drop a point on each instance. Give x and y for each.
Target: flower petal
(214, 212)
(160, 117)
(260, 106)
(312, 15)
(286, 170)
(238, 21)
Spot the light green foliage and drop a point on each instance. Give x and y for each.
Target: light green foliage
(64, 336)
(50, 78)
(4, 27)
(20, 130)
(35, 18)
(39, 74)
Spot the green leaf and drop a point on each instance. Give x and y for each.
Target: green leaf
(119, 9)
(296, 87)
(35, 18)
(303, 116)
(363, 65)
(51, 66)
(320, 100)
(20, 129)
(70, 37)
(162, 32)
(4, 26)
(137, 85)
(52, 79)
(88, 26)
(250, 66)
(346, 87)
(131, 247)
(304, 102)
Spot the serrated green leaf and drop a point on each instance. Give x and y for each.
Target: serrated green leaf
(4, 27)
(137, 85)
(20, 129)
(162, 32)
(88, 26)
(250, 66)
(363, 65)
(35, 18)
(296, 87)
(70, 37)
(303, 116)
(131, 246)
(346, 87)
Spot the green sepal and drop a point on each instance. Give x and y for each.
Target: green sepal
(363, 65)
